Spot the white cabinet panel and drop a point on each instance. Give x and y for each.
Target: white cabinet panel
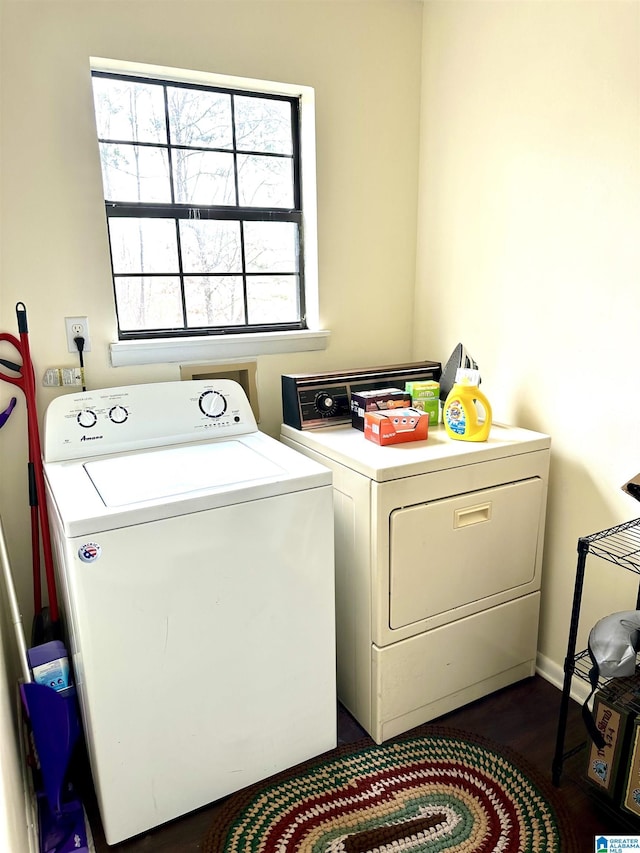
(450, 552)
(429, 672)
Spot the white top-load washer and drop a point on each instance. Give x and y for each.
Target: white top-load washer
(195, 560)
(438, 567)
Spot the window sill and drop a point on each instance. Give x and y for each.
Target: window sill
(184, 350)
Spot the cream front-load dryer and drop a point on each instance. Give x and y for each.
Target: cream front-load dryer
(199, 607)
(438, 562)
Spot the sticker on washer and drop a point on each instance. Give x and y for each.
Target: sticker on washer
(90, 552)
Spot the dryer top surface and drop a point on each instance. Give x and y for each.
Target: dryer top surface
(349, 447)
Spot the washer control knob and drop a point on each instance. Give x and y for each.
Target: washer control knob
(325, 403)
(118, 414)
(87, 418)
(212, 404)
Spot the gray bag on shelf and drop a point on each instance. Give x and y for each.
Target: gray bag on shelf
(613, 644)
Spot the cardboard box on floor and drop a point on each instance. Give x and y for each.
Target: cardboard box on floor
(606, 767)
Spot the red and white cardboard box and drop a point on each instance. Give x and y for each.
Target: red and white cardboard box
(396, 426)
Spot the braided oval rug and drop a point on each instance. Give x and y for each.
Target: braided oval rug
(435, 790)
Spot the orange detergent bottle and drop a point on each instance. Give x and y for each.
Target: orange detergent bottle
(460, 414)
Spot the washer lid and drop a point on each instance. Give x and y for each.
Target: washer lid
(130, 479)
(92, 495)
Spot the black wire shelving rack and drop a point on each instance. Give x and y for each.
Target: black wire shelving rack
(619, 545)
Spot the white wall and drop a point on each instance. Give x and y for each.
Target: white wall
(529, 251)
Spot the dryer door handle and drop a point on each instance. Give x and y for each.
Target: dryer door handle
(472, 515)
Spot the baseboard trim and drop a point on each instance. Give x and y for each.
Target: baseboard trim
(554, 673)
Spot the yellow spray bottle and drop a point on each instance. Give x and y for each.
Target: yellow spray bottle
(460, 413)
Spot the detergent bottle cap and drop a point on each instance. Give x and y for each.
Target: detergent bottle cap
(467, 376)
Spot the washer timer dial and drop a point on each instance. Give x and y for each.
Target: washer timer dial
(87, 418)
(118, 414)
(212, 404)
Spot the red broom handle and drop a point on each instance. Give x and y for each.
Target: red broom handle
(36, 459)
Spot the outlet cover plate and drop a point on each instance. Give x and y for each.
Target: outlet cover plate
(72, 325)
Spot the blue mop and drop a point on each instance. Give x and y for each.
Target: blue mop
(52, 713)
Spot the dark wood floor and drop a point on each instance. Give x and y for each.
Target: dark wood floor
(522, 717)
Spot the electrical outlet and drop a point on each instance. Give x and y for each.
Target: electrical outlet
(77, 327)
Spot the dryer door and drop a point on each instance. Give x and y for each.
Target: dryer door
(450, 552)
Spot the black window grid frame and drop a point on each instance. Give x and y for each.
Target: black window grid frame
(178, 211)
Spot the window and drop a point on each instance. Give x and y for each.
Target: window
(203, 197)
